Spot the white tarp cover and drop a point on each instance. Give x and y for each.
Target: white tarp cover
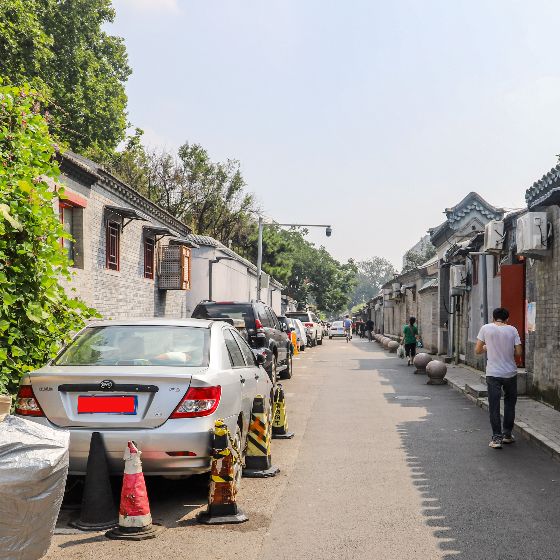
(33, 469)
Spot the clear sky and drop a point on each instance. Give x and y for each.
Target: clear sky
(370, 115)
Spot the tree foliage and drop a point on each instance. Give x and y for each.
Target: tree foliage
(36, 314)
(212, 198)
(208, 196)
(372, 274)
(415, 259)
(61, 48)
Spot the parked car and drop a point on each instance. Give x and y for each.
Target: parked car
(301, 334)
(311, 322)
(161, 383)
(298, 328)
(262, 327)
(336, 329)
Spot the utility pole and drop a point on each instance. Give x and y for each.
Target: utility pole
(262, 224)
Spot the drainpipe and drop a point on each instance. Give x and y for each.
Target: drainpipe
(484, 280)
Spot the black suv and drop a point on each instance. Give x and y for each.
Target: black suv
(262, 327)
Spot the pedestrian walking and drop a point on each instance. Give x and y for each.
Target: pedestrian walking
(409, 339)
(502, 344)
(369, 329)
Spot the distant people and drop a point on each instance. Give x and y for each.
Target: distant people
(369, 329)
(362, 329)
(348, 326)
(502, 344)
(409, 339)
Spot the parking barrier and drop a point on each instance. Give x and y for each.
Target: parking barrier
(258, 461)
(222, 505)
(98, 511)
(135, 518)
(280, 420)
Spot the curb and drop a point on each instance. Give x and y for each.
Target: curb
(523, 429)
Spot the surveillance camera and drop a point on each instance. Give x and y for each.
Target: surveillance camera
(328, 231)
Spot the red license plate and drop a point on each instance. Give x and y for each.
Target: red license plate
(108, 405)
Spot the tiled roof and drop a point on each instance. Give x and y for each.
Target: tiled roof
(433, 283)
(207, 241)
(540, 190)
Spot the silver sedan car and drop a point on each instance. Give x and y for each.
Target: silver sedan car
(161, 383)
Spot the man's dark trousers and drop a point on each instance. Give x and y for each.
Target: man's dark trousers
(495, 385)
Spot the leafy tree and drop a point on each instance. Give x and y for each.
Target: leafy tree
(209, 196)
(60, 47)
(36, 314)
(372, 274)
(415, 259)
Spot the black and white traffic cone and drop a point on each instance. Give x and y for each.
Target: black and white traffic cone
(258, 461)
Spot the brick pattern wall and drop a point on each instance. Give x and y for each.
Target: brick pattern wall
(427, 314)
(124, 293)
(543, 346)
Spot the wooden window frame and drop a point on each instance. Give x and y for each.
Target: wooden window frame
(113, 227)
(475, 265)
(149, 264)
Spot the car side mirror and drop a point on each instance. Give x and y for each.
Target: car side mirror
(292, 329)
(260, 359)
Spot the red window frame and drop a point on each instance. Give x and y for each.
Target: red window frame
(61, 207)
(112, 245)
(149, 254)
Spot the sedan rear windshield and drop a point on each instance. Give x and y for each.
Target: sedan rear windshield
(303, 317)
(337, 324)
(227, 311)
(145, 345)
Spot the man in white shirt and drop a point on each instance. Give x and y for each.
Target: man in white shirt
(502, 344)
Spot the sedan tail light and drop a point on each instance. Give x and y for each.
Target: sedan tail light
(26, 403)
(198, 401)
(308, 324)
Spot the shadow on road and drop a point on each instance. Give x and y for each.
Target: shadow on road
(481, 503)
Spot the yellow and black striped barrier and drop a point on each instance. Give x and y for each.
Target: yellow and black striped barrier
(222, 504)
(258, 461)
(280, 419)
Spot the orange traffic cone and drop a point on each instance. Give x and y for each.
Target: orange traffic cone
(294, 343)
(135, 519)
(222, 506)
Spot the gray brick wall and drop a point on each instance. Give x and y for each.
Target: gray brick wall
(542, 351)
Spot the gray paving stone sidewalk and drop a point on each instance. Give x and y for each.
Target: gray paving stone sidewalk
(534, 420)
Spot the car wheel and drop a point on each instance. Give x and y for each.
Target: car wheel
(287, 373)
(238, 453)
(320, 341)
(330, 337)
(302, 349)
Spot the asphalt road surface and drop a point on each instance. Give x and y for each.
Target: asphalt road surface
(383, 466)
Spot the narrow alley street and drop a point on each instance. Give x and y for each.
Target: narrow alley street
(383, 466)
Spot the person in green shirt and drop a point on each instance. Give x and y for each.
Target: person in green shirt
(409, 339)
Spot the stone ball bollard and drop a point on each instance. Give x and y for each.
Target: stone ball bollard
(421, 361)
(393, 346)
(386, 343)
(436, 371)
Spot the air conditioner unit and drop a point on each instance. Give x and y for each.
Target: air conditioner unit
(494, 236)
(458, 276)
(174, 268)
(532, 234)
